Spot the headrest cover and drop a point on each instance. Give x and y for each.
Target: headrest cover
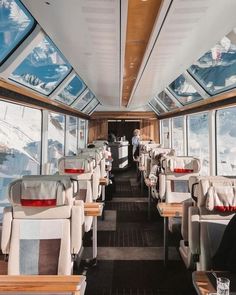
(40, 193)
(74, 165)
(221, 198)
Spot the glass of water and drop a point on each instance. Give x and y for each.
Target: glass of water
(222, 286)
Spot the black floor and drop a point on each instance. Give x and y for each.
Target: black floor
(122, 271)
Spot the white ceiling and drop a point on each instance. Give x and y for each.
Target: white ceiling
(91, 35)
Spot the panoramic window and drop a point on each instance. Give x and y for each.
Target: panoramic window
(156, 105)
(20, 144)
(71, 137)
(226, 141)
(167, 101)
(184, 91)
(56, 139)
(82, 134)
(198, 140)
(15, 23)
(84, 101)
(71, 91)
(91, 106)
(178, 135)
(216, 69)
(43, 69)
(165, 133)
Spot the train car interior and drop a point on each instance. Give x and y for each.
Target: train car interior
(118, 147)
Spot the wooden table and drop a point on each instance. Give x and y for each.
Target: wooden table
(167, 210)
(42, 284)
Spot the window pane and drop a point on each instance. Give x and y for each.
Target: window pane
(83, 101)
(166, 133)
(71, 91)
(178, 136)
(82, 136)
(167, 101)
(184, 91)
(72, 136)
(226, 141)
(216, 69)
(43, 69)
(90, 107)
(15, 24)
(156, 106)
(20, 144)
(56, 139)
(198, 140)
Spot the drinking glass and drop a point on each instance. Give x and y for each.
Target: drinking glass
(222, 286)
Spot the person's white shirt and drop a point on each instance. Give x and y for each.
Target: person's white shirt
(135, 142)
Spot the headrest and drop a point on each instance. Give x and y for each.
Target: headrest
(95, 153)
(74, 165)
(40, 191)
(221, 198)
(159, 152)
(148, 147)
(183, 165)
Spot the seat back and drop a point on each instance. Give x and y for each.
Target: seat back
(173, 181)
(215, 206)
(42, 229)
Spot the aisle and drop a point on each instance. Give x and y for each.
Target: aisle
(130, 249)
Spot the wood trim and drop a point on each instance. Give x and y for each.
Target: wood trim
(42, 283)
(141, 19)
(221, 100)
(124, 115)
(14, 93)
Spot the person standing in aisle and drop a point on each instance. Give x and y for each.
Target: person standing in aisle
(135, 143)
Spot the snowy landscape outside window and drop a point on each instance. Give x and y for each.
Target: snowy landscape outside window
(43, 69)
(178, 135)
(184, 91)
(166, 133)
(71, 137)
(216, 69)
(71, 91)
(156, 105)
(198, 140)
(226, 141)
(20, 144)
(15, 23)
(83, 101)
(56, 139)
(167, 101)
(82, 135)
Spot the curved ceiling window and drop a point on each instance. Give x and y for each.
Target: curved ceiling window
(167, 101)
(184, 91)
(71, 91)
(43, 69)
(216, 69)
(84, 101)
(91, 106)
(155, 104)
(15, 24)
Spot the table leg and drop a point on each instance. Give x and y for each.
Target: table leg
(166, 233)
(95, 247)
(142, 181)
(149, 203)
(103, 193)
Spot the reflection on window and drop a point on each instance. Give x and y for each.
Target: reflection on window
(20, 144)
(91, 106)
(166, 133)
(226, 141)
(71, 91)
(167, 101)
(216, 69)
(155, 104)
(178, 135)
(43, 69)
(82, 135)
(184, 91)
(15, 24)
(198, 140)
(83, 101)
(56, 139)
(71, 137)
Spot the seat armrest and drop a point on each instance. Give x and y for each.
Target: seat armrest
(6, 229)
(162, 186)
(77, 222)
(194, 230)
(184, 224)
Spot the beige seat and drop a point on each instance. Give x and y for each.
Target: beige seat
(42, 229)
(208, 219)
